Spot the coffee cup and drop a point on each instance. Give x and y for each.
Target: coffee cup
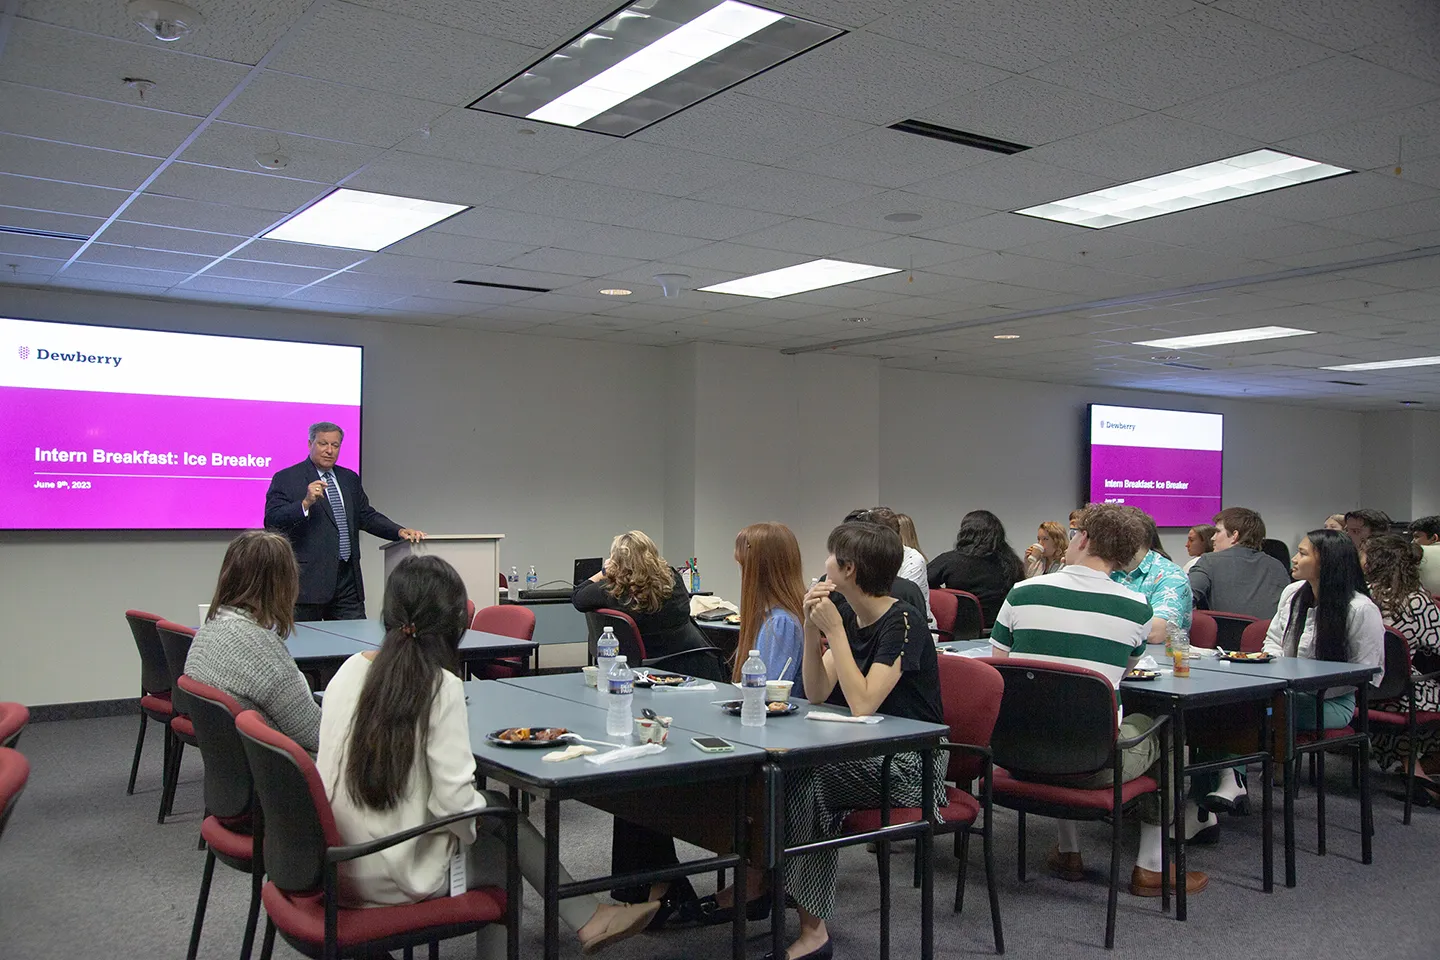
(651, 731)
(778, 691)
(591, 673)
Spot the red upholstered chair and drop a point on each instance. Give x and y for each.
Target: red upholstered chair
(1397, 691)
(13, 717)
(228, 829)
(971, 691)
(946, 606)
(14, 773)
(303, 849)
(969, 615)
(1229, 627)
(506, 620)
(1035, 755)
(175, 641)
(1204, 632)
(154, 686)
(469, 609)
(1252, 638)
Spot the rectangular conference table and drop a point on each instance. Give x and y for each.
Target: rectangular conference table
(475, 646)
(1175, 697)
(496, 705)
(789, 743)
(1301, 675)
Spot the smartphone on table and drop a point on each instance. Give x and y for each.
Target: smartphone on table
(712, 744)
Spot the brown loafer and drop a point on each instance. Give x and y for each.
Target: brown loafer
(1066, 866)
(1146, 883)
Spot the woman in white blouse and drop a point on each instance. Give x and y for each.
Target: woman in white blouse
(1327, 614)
(395, 753)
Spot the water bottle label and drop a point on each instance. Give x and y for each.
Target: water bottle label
(753, 680)
(623, 688)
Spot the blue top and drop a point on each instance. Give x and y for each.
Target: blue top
(780, 638)
(1164, 584)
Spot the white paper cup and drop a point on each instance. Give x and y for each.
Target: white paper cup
(590, 673)
(650, 731)
(778, 691)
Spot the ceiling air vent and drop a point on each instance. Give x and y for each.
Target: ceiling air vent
(963, 137)
(51, 234)
(1348, 383)
(1187, 366)
(503, 286)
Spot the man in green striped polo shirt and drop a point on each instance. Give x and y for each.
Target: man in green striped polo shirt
(1080, 617)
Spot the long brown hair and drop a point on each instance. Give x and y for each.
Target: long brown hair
(770, 577)
(908, 535)
(637, 576)
(424, 619)
(1392, 568)
(259, 575)
(1059, 540)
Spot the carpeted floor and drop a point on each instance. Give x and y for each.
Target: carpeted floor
(86, 872)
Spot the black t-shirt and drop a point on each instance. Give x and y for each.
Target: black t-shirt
(900, 634)
(989, 578)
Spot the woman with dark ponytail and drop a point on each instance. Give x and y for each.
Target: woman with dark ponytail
(1327, 614)
(395, 753)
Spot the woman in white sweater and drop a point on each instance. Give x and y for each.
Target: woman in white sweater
(1327, 614)
(395, 753)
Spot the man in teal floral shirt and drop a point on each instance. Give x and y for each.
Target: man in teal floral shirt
(1161, 582)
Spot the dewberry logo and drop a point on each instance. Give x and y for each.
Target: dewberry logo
(24, 353)
(73, 357)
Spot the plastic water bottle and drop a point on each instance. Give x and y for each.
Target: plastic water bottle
(606, 649)
(694, 576)
(752, 682)
(532, 581)
(512, 585)
(621, 689)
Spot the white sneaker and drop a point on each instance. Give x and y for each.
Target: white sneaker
(1230, 797)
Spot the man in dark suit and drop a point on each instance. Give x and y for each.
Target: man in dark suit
(321, 508)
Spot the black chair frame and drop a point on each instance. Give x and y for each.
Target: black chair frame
(177, 649)
(154, 680)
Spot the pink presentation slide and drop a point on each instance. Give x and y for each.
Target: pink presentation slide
(1169, 463)
(73, 459)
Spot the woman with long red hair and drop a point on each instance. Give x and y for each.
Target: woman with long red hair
(772, 590)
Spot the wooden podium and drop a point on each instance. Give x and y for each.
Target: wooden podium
(475, 555)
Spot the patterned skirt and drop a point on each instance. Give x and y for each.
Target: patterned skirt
(1388, 747)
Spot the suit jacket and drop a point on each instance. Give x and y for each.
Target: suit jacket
(316, 538)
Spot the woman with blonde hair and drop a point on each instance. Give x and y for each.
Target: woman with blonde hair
(908, 535)
(1047, 553)
(772, 594)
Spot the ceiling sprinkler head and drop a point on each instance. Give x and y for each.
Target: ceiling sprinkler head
(164, 19)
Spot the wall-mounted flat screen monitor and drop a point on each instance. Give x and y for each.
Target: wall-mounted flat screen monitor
(117, 428)
(1169, 463)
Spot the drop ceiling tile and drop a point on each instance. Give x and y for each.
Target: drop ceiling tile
(401, 55)
(1287, 106)
(477, 298)
(1008, 183)
(32, 112)
(655, 168)
(434, 307)
(197, 215)
(31, 194)
(710, 221)
(871, 212)
(1390, 222)
(28, 271)
(1193, 55)
(151, 237)
(237, 269)
(1143, 147)
(72, 62)
(327, 294)
(251, 190)
(572, 263)
(426, 268)
(239, 31)
(301, 254)
(778, 309)
(41, 247)
(314, 108)
(1414, 52)
(653, 312)
(1335, 23)
(737, 257)
(245, 288)
(1025, 110)
(845, 69)
(1024, 34)
(435, 178)
(44, 220)
(1337, 197)
(234, 146)
(110, 273)
(145, 259)
(1211, 223)
(909, 253)
(518, 278)
(747, 128)
(1358, 251)
(71, 164)
(551, 196)
(1001, 231)
(888, 158)
(72, 282)
(444, 246)
(787, 192)
(533, 24)
(489, 324)
(640, 244)
(510, 142)
(1421, 274)
(813, 237)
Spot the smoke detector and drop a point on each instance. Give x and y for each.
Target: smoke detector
(164, 19)
(274, 160)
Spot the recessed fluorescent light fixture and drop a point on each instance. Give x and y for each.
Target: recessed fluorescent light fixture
(651, 59)
(1223, 337)
(801, 278)
(1387, 364)
(357, 220)
(616, 292)
(1250, 173)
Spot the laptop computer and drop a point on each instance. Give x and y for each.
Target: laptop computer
(585, 568)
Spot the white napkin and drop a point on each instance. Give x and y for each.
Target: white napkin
(975, 652)
(1147, 662)
(842, 717)
(625, 753)
(684, 687)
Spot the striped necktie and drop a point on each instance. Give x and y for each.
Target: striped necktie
(337, 506)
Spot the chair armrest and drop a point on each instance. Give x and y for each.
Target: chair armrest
(496, 805)
(1132, 741)
(970, 748)
(1416, 678)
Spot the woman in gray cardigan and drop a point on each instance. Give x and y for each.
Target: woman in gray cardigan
(241, 647)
